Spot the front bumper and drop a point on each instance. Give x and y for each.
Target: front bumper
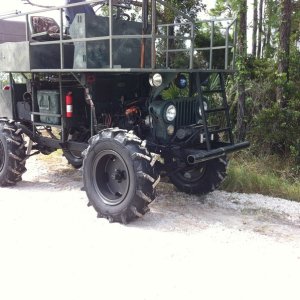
(204, 155)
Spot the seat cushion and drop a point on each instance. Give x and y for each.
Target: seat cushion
(44, 24)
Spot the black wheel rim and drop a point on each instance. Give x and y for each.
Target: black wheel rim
(192, 174)
(2, 158)
(110, 177)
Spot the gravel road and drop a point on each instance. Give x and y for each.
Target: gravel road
(221, 246)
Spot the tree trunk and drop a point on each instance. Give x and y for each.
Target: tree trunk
(269, 10)
(260, 27)
(284, 50)
(242, 53)
(267, 46)
(254, 33)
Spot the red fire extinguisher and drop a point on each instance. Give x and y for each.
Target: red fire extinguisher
(69, 105)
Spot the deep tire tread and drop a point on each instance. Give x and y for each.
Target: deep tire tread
(214, 175)
(15, 153)
(146, 176)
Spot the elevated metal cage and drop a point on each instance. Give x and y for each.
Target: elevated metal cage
(103, 41)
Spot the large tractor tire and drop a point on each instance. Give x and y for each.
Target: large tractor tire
(12, 153)
(119, 176)
(202, 178)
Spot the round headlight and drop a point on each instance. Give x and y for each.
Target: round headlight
(205, 108)
(171, 113)
(155, 80)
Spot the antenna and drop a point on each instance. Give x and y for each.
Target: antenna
(7, 14)
(126, 4)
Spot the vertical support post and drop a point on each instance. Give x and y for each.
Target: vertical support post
(27, 28)
(145, 14)
(167, 52)
(200, 100)
(226, 48)
(211, 44)
(61, 48)
(234, 44)
(28, 35)
(62, 109)
(110, 34)
(11, 82)
(33, 97)
(153, 34)
(192, 46)
(191, 76)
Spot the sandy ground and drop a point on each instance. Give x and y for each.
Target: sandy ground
(221, 246)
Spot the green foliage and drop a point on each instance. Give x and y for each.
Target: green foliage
(203, 40)
(263, 175)
(271, 129)
(276, 130)
(294, 60)
(189, 7)
(174, 92)
(222, 8)
(258, 77)
(3, 79)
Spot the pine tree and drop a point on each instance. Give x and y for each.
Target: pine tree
(242, 53)
(284, 50)
(254, 32)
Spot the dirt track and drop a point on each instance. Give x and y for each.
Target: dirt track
(222, 246)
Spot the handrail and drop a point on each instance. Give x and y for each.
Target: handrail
(188, 39)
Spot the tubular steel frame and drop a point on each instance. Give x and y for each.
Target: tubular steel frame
(192, 50)
(193, 27)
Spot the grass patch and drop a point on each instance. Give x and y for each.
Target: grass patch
(263, 175)
(248, 173)
(57, 154)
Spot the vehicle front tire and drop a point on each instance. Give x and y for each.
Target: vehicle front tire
(201, 178)
(118, 174)
(12, 153)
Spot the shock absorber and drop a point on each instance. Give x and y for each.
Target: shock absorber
(89, 101)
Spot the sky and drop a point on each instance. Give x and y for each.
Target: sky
(13, 5)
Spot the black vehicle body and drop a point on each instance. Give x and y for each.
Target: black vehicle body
(106, 79)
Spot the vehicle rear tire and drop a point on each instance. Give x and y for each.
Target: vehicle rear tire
(81, 135)
(12, 153)
(202, 178)
(118, 174)
(74, 158)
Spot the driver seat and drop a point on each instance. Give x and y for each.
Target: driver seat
(45, 29)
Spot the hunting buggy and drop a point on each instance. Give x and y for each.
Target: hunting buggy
(126, 95)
